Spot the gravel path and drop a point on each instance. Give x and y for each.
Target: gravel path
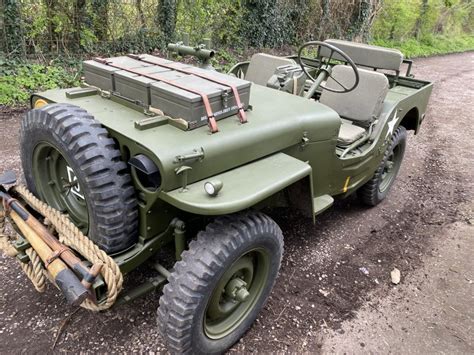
(322, 302)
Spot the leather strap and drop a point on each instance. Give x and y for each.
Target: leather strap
(242, 115)
(55, 255)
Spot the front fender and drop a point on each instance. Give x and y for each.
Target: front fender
(243, 187)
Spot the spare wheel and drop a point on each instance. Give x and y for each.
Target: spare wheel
(71, 163)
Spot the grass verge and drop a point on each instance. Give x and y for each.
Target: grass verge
(432, 45)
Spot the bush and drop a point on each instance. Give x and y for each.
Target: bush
(19, 80)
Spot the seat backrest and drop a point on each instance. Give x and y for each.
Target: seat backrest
(366, 55)
(364, 103)
(262, 66)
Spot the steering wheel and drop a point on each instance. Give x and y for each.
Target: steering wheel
(324, 66)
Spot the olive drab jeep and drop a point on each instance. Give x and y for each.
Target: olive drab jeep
(166, 164)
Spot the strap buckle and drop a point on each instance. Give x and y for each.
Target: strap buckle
(242, 115)
(55, 255)
(211, 122)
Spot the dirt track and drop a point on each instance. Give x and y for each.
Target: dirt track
(322, 302)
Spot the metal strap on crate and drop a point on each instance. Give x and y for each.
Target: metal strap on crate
(242, 115)
(211, 120)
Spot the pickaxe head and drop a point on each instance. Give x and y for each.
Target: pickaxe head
(8, 178)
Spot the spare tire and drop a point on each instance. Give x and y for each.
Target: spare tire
(71, 163)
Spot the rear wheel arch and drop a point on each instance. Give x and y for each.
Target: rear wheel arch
(411, 119)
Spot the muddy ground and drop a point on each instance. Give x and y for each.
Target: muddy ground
(322, 301)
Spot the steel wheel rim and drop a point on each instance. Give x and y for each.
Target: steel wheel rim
(56, 183)
(390, 169)
(224, 314)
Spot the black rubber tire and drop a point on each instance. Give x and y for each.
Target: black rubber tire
(370, 193)
(96, 161)
(186, 296)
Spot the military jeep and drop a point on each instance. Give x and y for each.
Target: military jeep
(151, 155)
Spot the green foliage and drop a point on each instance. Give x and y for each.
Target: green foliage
(218, 20)
(399, 19)
(19, 80)
(430, 45)
(225, 60)
(100, 10)
(50, 28)
(40, 31)
(267, 23)
(396, 20)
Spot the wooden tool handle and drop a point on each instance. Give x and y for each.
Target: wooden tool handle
(67, 281)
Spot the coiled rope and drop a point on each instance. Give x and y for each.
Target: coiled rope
(34, 268)
(72, 237)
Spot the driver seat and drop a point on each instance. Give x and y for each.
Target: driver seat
(358, 108)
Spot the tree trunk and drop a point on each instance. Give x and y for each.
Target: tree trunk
(141, 15)
(324, 25)
(166, 18)
(101, 19)
(14, 38)
(3, 36)
(359, 29)
(419, 20)
(79, 16)
(51, 40)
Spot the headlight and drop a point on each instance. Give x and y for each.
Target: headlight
(146, 172)
(213, 187)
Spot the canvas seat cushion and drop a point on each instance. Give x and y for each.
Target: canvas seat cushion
(364, 103)
(366, 54)
(349, 133)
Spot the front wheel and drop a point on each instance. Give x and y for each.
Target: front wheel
(377, 188)
(218, 288)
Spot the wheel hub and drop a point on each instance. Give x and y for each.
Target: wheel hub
(236, 293)
(58, 185)
(236, 289)
(390, 169)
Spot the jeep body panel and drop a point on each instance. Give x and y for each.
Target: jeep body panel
(244, 186)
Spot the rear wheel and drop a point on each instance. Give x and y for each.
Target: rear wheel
(377, 188)
(216, 291)
(71, 163)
